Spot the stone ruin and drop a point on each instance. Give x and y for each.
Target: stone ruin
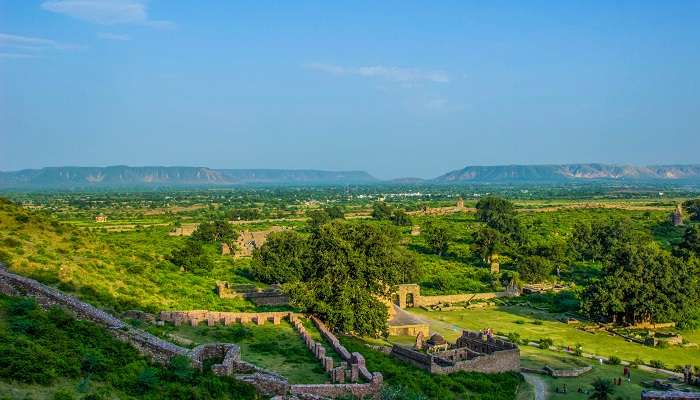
(248, 241)
(677, 216)
(162, 351)
(271, 296)
(473, 352)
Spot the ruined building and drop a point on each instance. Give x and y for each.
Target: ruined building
(677, 216)
(472, 352)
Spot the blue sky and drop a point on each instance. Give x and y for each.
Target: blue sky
(396, 88)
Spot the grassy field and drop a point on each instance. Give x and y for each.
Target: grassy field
(533, 325)
(535, 358)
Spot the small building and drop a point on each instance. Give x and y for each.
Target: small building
(101, 218)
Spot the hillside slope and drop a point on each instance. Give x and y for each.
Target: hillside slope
(113, 271)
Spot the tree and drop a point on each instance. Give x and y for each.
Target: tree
(215, 231)
(602, 389)
(381, 211)
(335, 212)
(191, 257)
(691, 240)
(437, 238)
(598, 240)
(499, 214)
(283, 258)
(534, 268)
(642, 283)
(317, 218)
(400, 218)
(345, 271)
(693, 209)
(488, 243)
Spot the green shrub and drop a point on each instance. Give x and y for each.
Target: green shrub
(63, 394)
(657, 364)
(546, 343)
(614, 360)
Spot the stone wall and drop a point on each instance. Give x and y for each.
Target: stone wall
(408, 295)
(567, 373)
(212, 318)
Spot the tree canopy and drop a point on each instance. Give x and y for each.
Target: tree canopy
(499, 214)
(693, 209)
(642, 283)
(339, 272)
(437, 237)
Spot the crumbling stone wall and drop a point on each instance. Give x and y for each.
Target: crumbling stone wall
(408, 295)
(212, 318)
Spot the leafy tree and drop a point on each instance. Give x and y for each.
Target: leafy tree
(381, 211)
(602, 389)
(691, 240)
(191, 257)
(534, 268)
(283, 258)
(437, 238)
(642, 282)
(499, 214)
(246, 214)
(335, 212)
(216, 231)
(400, 218)
(597, 240)
(317, 218)
(693, 209)
(488, 243)
(344, 271)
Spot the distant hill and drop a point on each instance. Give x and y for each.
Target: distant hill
(569, 172)
(124, 176)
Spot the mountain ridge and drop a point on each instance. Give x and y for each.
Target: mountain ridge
(155, 176)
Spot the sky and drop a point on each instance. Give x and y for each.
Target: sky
(395, 88)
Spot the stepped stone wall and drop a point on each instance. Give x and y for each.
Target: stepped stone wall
(212, 318)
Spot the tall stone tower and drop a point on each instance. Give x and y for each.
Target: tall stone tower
(677, 216)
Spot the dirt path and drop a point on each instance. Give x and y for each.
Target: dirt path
(538, 384)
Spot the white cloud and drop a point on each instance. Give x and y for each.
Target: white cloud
(397, 74)
(106, 12)
(16, 46)
(113, 36)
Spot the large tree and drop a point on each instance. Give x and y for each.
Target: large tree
(488, 243)
(598, 240)
(693, 209)
(691, 241)
(437, 237)
(499, 214)
(341, 272)
(642, 282)
(215, 231)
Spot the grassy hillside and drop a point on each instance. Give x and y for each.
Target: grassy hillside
(116, 271)
(50, 355)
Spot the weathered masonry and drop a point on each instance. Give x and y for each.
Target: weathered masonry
(473, 352)
(272, 296)
(408, 295)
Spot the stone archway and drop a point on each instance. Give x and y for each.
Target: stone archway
(409, 300)
(396, 299)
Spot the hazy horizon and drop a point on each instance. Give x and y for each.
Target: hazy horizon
(394, 89)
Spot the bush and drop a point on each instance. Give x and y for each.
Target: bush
(578, 349)
(546, 343)
(614, 360)
(657, 364)
(63, 394)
